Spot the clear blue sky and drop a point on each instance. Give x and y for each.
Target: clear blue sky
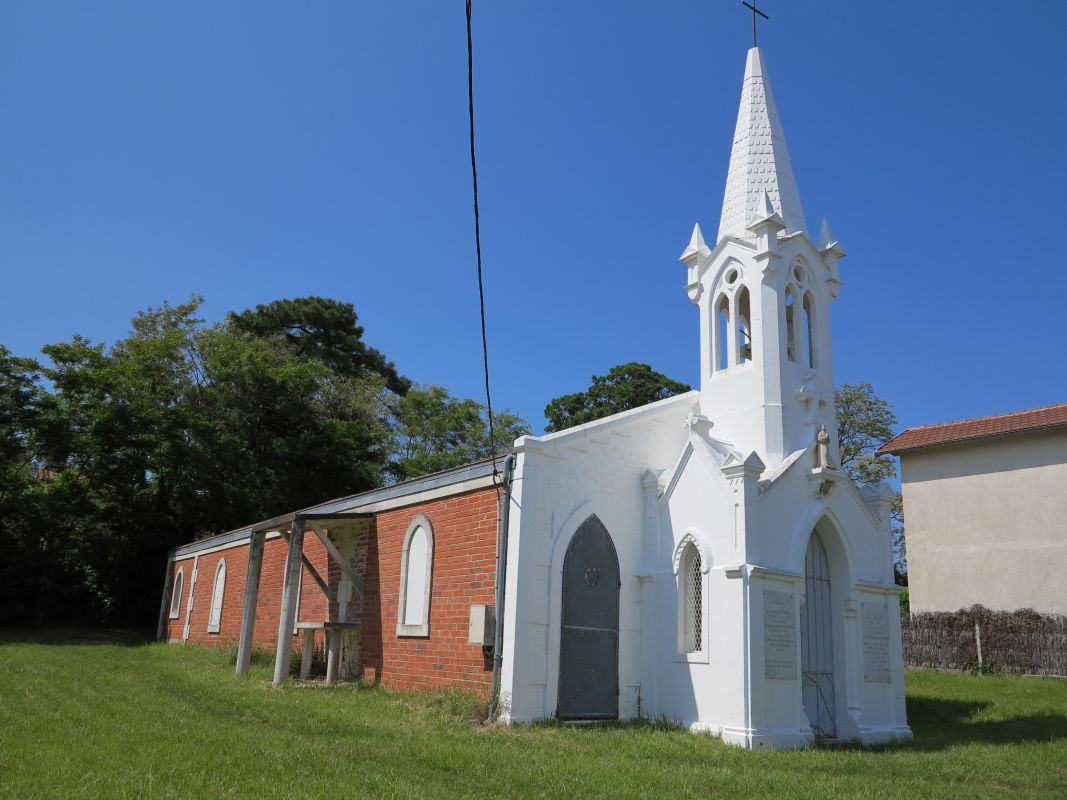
(250, 151)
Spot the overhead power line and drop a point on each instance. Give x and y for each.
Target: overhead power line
(478, 237)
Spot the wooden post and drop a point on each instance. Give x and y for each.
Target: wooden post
(307, 653)
(333, 654)
(248, 612)
(287, 619)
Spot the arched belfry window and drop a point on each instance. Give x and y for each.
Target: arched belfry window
(214, 619)
(722, 333)
(809, 327)
(790, 325)
(176, 594)
(416, 573)
(692, 601)
(744, 326)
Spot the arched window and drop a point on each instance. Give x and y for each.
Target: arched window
(744, 326)
(790, 326)
(692, 601)
(809, 327)
(214, 617)
(722, 333)
(176, 594)
(416, 572)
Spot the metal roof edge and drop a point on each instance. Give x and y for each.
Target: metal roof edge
(436, 480)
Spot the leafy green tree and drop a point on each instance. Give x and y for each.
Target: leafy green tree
(624, 387)
(322, 330)
(22, 541)
(435, 431)
(180, 430)
(865, 422)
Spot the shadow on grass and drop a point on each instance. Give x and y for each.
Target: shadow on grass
(77, 636)
(939, 724)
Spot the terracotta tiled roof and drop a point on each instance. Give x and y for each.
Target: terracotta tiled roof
(979, 428)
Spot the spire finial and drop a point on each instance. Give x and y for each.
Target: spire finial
(755, 11)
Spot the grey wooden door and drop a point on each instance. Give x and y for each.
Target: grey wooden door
(589, 638)
(817, 642)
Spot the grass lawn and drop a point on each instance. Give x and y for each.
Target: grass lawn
(114, 718)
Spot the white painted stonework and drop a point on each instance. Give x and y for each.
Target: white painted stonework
(731, 475)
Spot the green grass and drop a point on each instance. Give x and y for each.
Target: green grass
(110, 717)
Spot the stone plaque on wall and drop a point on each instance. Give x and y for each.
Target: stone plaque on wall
(779, 636)
(875, 618)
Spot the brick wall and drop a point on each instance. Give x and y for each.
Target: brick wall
(268, 609)
(464, 572)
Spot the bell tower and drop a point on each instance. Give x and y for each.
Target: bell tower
(764, 291)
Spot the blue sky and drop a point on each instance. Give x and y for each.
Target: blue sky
(250, 151)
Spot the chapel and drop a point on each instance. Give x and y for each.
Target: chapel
(702, 558)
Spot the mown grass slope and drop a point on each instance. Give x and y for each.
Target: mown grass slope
(115, 718)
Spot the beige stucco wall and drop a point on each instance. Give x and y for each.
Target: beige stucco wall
(986, 522)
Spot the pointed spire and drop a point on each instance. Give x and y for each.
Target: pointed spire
(826, 236)
(759, 160)
(696, 246)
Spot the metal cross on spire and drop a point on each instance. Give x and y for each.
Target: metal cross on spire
(755, 11)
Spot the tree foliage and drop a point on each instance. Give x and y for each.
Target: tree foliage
(435, 431)
(183, 429)
(322, 330)
(864, 422)
(626, 386)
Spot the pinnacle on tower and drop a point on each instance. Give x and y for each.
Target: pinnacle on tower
(697, 246)
(759, 160)
(826, 236)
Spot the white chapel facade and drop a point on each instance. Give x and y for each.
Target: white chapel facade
(703, 558)
(700, 558)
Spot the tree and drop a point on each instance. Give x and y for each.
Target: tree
(435, 431)
(181, 430)
(625, 386)
(24, 540)
(864, 422)
(322, 330)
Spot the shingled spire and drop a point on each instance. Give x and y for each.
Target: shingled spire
(759, 160)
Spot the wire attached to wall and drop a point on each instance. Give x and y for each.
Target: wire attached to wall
(478, 238)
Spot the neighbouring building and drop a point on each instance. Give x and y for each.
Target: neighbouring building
(985, 503)
(703, 558)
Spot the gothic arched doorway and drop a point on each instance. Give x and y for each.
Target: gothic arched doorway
(589, 630)
(817, 642)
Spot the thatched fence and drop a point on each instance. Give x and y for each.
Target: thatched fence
(976, 638)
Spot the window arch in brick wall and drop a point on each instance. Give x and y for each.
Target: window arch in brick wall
(416, 575)
(176, 594)
(214, 619)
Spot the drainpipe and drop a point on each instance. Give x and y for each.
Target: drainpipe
(501, 573)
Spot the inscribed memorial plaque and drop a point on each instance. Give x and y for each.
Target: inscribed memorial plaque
(779, 635)
(875, 643)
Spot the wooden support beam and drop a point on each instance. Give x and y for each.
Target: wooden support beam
(311, 569)
(335, 554)
(333, 654)
(315, 576)
(307, 653)
(287, 618)
(248, 612)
